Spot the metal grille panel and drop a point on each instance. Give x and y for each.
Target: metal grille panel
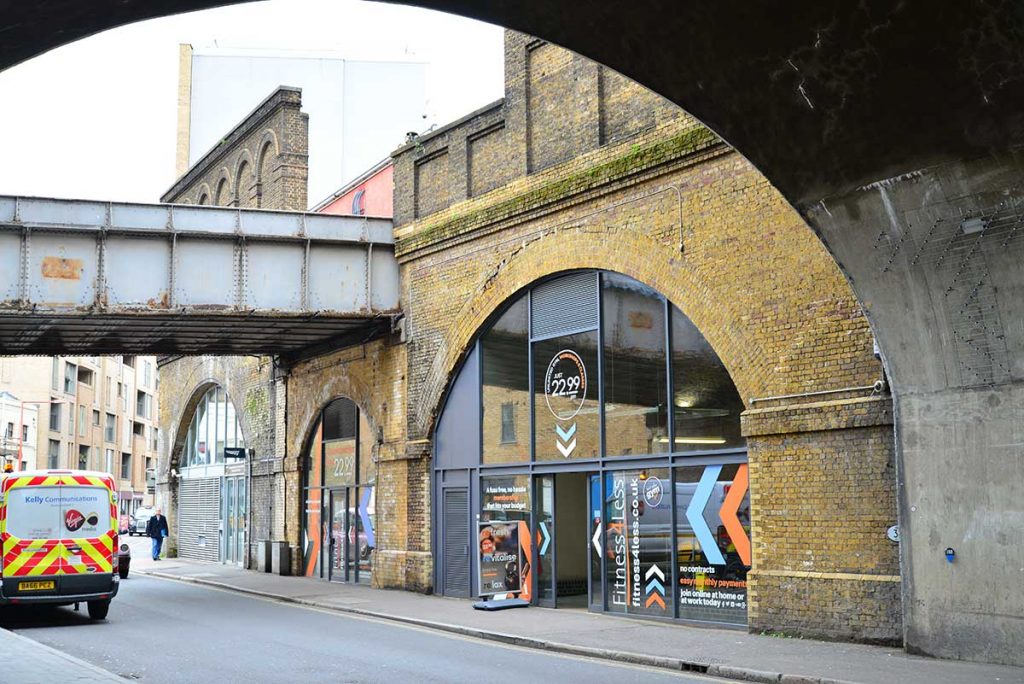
(199, 519)
(564, 305)
(340, 418)
(456, 542)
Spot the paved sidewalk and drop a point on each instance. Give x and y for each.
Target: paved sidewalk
(726, 653)
(29, 662)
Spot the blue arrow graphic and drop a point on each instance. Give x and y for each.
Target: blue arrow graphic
(695, 514)
(656, 585)
(547, 538)
(567, 434)
(364, 515)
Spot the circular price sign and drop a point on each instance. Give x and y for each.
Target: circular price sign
(565, 384)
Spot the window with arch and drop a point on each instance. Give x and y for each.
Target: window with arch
(591, 394)
(203, 199)
(596, 365)
(214, 427)
(339, 474)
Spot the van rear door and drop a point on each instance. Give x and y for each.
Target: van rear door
(87, 533)
(31, 530)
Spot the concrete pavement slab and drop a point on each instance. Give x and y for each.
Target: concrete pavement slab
(28, 662)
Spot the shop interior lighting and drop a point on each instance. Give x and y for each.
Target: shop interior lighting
(694, 440)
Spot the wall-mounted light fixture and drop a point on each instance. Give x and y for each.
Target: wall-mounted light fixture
(694, 440)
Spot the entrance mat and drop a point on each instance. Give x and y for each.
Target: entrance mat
(501, 604)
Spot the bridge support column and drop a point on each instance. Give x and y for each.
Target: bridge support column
(935, 257)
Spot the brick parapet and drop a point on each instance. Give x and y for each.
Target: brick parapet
(571, 183)
(263, 160)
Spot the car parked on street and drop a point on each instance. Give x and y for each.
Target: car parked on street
(139, 518)
(124, 560)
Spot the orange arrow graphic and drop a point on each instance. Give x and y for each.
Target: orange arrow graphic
(655, 598)
(728, 513)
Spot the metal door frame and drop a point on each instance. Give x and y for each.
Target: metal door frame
(332, 574)
(550, 602)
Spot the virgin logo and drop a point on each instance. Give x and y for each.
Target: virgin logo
(73, 520)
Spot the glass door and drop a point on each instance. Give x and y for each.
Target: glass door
(240, 520)
(232, 525)
(228, 521)
(595, 540)
(352, 543)
(544, 488)
(338, 535)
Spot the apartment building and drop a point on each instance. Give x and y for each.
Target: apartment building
(86, 412)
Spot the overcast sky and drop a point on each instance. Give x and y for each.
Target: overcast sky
(97, 119)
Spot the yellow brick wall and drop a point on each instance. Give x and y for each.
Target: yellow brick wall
(676, 209)
(373, 376)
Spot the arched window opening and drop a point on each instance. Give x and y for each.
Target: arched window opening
(214, 428)
(339, 480)
(592, 408)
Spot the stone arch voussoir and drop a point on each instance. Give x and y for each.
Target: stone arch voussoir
(324, 391)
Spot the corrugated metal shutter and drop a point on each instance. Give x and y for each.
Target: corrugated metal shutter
(563, 305)
(199, 519)
(456, 542)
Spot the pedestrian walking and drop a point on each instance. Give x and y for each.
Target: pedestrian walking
(156, 530)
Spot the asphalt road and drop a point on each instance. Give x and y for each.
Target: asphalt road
(163, 631)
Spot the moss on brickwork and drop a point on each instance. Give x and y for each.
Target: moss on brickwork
(639, 158)
(257, 401)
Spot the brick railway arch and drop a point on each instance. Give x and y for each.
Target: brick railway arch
(307, 423)
(187, 411)
(746, 362)
(879, 140)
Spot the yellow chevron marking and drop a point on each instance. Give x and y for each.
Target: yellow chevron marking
(44, 565)
(23, 557)
(100, 559)
(10, 544)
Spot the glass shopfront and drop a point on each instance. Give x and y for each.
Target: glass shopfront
(339, 519)
(589, 454)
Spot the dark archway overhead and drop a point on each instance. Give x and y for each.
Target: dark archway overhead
(821, 96)
(895, 128)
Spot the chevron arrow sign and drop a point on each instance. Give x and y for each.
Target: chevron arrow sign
(546, 538)
(565, 435)
(655, 586)
(566, 447)
(695, 514)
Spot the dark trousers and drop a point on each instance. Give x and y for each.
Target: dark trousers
(158, 542)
